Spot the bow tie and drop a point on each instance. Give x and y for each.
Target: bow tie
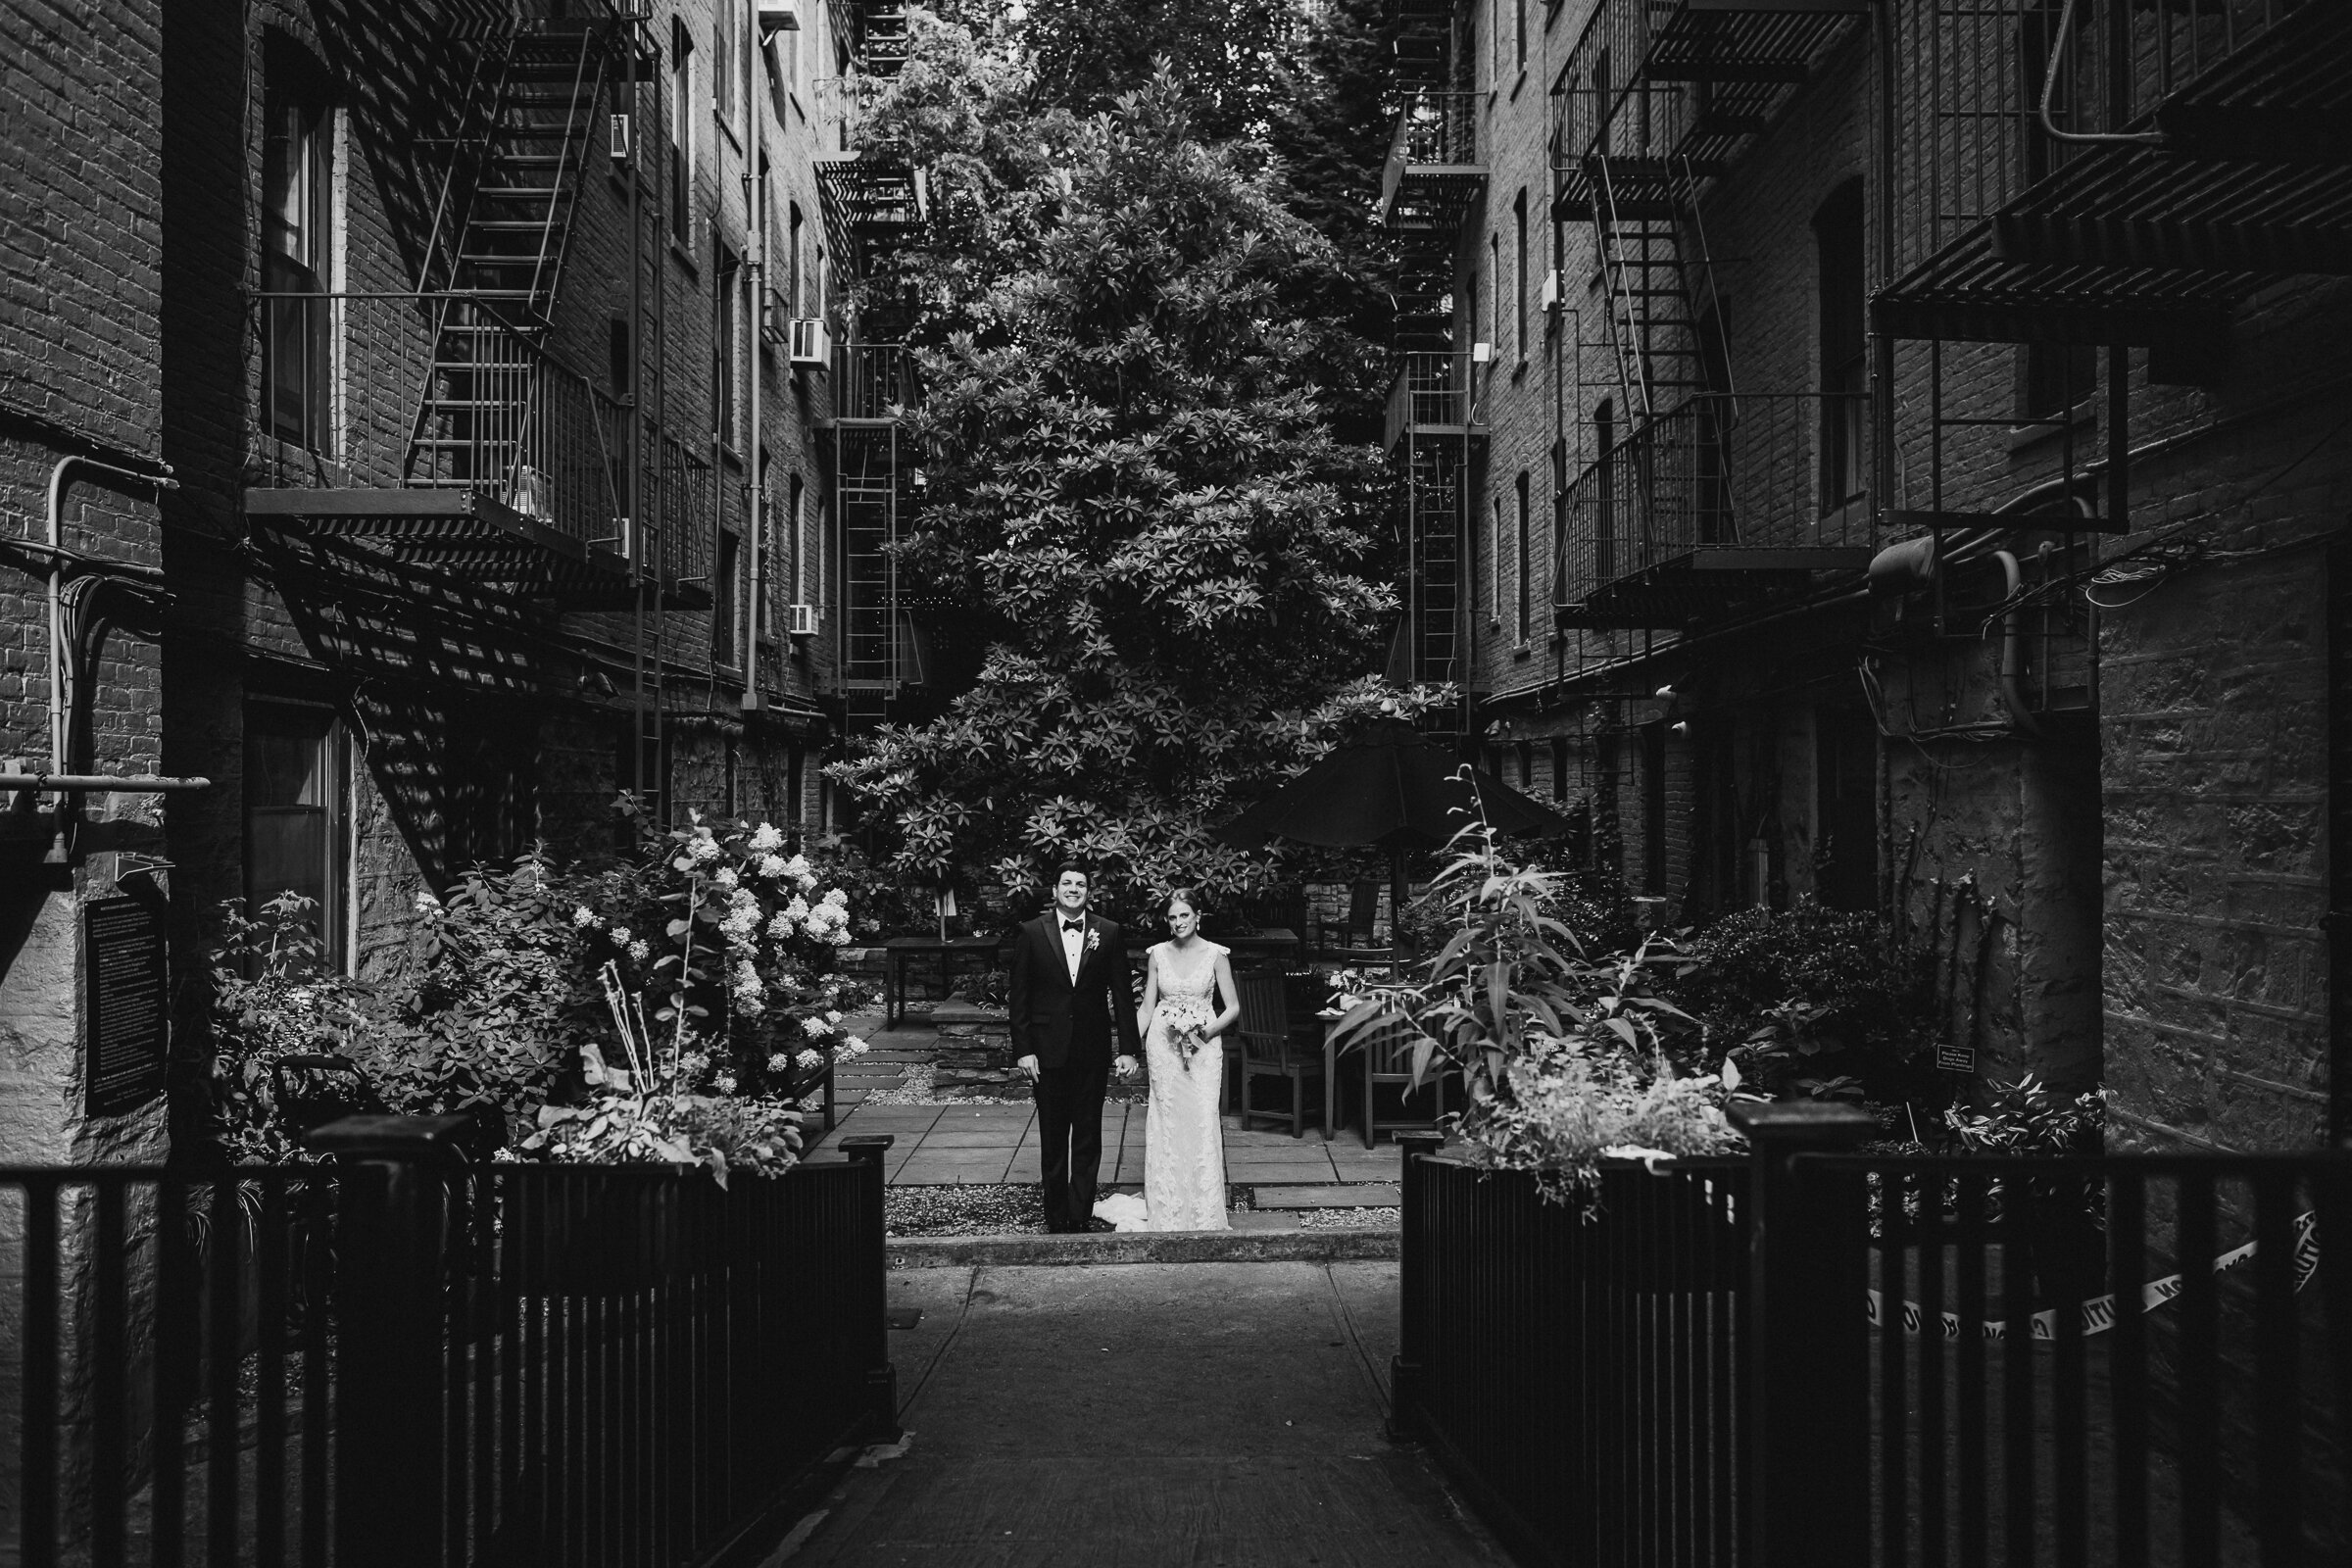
(1073, 926)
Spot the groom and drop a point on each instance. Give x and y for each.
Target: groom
(1070, 1006)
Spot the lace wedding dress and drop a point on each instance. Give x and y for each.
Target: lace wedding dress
(1183, 1144)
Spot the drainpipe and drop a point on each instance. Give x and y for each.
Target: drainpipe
(755, 206)
(2012, 579)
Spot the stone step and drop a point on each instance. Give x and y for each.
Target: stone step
(1358, 1195)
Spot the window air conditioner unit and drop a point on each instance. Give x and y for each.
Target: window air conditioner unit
(619, 142)
(810, 347)
(800, 620)
(1550, 295)
(779, 16)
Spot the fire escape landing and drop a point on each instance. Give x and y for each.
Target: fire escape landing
(510, 472)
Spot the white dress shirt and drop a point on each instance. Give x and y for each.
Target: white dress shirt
(1073, 943)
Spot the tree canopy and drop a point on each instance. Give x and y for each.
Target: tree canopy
(1131, 344)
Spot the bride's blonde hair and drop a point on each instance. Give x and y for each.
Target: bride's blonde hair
(1184, 895)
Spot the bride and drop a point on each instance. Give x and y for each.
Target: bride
(1184, 1145)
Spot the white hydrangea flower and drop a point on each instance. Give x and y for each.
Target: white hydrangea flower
(641, 950)
(797, 910)
(771, 865)
(426, 903)
(816, 1028)
(839, 936)
(856, 1046)
(838, 899)
(620, 934)
(703, 846)
(781, 926)
(726, 1083)
(583, 916)
(780, 1061)
(751, 1006)
(767, 838)
(745, 974)
(832, 1016)
(725, 876)
(810, 1059)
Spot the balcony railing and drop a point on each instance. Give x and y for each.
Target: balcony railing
(1434, 145)
(1970, 137)
(1720, 487)
(872, 380)
(1668, 79)
(1433, 394)
(399, 395)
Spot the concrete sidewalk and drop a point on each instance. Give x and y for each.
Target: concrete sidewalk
(1135, 1416)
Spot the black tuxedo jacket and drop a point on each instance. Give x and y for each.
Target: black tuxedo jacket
(1062, 1022)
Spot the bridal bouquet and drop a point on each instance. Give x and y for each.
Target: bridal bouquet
(1187, 1024)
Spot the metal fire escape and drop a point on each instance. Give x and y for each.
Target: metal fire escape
(510, 473)
(1433, 181)
(2107, 174)
(873, 204)
(1686, 507)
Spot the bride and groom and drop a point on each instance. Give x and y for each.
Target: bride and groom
(1074, 1024)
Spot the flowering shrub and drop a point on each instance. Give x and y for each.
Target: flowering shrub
(273, 996)
(1565, 1057)
(705, 961)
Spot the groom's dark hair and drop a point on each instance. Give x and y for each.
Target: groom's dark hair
(1067, 867)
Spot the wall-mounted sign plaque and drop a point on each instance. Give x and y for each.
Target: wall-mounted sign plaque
(1956, 1059)
(127, 1013)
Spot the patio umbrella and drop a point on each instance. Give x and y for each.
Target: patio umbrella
(1389, 787)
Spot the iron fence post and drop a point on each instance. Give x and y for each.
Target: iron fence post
(1412, 1356)
(390, 1264)
(871, 1328)
(1808, 1345)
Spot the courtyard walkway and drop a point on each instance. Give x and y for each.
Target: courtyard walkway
(1214, 1415)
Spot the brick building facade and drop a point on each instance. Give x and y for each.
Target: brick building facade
(451, 446)
(1833, 481)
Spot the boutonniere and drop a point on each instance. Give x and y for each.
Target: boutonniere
(1094, 938)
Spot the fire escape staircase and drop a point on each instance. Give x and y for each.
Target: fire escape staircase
(1433, 179)
(1654, 523)
(873, 204)
(509, 474)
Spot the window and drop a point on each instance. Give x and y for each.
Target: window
(792, 795)
(298, 200)
(616, 354)
(1495, 567)
(725, 352)
(1605, 494)
(792, 263)
(1519, 268)
(298, 816)
(726, 35)
(726, 607)
(2052, 378)
(1525, 562)
(1560, 769)
(1526, 750)
(1519, 32)
(681, 133)
(1844, 362)
(795, 523)
(1559, 527)
(1654, 808)
(1494, 285)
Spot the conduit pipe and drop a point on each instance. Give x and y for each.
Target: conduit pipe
(2013, 579)
(62, 674)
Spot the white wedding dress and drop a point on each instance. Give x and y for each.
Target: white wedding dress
(1184, 1143)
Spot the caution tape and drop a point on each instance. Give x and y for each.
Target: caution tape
(2098, 1313)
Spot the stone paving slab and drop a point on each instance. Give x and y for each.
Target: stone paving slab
(1366, 1196)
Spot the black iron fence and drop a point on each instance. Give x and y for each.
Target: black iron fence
(1819, 1358)
(403, 1359)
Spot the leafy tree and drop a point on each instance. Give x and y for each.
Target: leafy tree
(1129, 342)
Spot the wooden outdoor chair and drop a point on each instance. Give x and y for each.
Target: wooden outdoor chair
(1355, 933)
(1268, 1050)
(1387, 1058)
